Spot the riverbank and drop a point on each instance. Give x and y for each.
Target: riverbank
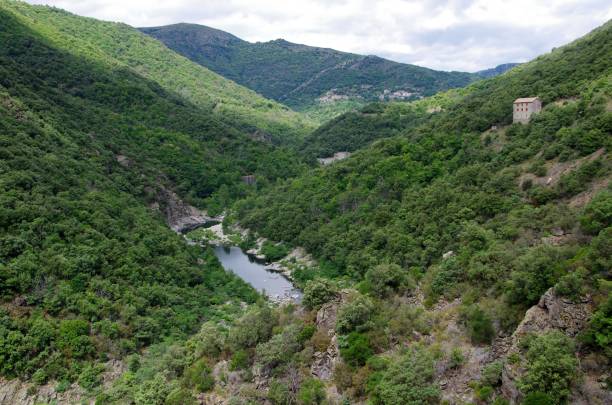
(258, 271)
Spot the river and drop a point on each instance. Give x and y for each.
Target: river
(274, 285)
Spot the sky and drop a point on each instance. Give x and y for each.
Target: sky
(465, 35)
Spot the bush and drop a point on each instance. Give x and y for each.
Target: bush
(274, 251)
(318, 292)
(598, 213)
(538, 398)
(279, 393)
(91, 376)
(355, 315)
(355, 349)
(199, 376)
(599, 333)
(280, 348)
(407, 381)
(550, 368)
(239, 361)
(312, 392)
(74, 339)
(252, 328)
(456, 358)
(386, 279)
(478, 325)
(491, 374)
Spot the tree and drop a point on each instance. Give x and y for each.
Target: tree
(385, 279)
(356, 349)
(550, 367)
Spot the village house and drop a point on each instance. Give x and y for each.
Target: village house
(524, 108)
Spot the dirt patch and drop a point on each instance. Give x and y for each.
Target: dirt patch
(582, 199)
(555, 170)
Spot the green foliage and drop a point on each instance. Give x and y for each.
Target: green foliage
(599, 333)
(408, 381)
(199, 376)
(355, 349)
(538, 398)
(279, 394)
(456, 358)
(252, 328)
(598, 213)
(386, 279)
(240, 360)
(311, 392)
(478, 324)
(280, 348)
(91, 376)
(355, 315)
(298, 75)
(491, 374)
(550, 368)
(274, 251)
(317, 292)
(152, 392)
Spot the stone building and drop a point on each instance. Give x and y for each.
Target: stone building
(250, 179)
(524, 108)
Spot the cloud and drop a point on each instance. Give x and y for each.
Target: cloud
(463, 35)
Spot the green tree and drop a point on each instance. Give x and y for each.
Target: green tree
(551, 366)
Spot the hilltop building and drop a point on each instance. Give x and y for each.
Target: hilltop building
(524, 108)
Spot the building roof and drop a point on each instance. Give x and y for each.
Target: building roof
(525, 100)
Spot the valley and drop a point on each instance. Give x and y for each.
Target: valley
(180, 225)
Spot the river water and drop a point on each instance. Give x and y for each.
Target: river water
(274, 285)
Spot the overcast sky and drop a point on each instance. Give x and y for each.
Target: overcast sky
(465, 35)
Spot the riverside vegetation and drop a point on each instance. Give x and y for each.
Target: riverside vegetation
(433, 240)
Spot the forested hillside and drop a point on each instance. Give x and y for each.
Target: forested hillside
(96, 120)
(485, 218)
(321, 81)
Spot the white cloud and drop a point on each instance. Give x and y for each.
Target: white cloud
(448, 35)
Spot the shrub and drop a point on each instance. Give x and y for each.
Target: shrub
(199, 376)
(74, 339)
(355, 315)
(355, 349)
(478, 325)
(317, 292)
(274, 251)
(252, 328)
(456, 358)
(407, 381)
(598, 213)
(386, 279)
(491, 374)
(153, 391)
(279, 348)
(311, 392)
(279, 393)
(599, 333)
(239, 361)
(551, 367)
(91, 376)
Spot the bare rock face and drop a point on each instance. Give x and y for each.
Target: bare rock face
(325, 362)
(180, 216)
(551, 313)
(17, 392)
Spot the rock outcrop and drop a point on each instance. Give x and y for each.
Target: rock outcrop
(180, 216)
(551, 313)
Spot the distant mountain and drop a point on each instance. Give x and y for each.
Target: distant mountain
(497, 70)
(305, 77)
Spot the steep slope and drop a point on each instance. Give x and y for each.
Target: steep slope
(232, 104)
(452, 230)
(304, 77)
(90, 145)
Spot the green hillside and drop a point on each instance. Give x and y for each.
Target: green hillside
(303, 77)
(92, 130)
(481, 222)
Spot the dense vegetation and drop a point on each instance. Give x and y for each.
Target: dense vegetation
(88, 272)
(488, 200)
(298, 75)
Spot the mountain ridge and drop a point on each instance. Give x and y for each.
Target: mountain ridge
(302, 76)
